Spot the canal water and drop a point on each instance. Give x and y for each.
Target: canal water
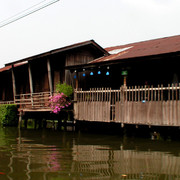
(54, 155)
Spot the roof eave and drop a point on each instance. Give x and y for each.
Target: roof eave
(124, 60)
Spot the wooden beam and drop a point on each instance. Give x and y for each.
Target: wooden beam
(77, 83)
(50, 76)
(30, 79)
(13, 82)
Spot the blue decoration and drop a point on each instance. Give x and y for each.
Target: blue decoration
(74, 76)
(91, 73)
(107, 73)
(84, 74)
(99, 72)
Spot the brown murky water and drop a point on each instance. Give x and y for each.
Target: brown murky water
(53, 155)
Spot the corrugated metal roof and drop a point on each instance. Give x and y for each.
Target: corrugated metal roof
(141, 49)
(133, 50)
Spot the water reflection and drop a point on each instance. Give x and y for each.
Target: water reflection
(52, 155)
(125, 164)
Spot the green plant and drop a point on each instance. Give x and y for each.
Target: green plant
(65, 89)
(8, 115)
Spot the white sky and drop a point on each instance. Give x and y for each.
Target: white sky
(108, 22)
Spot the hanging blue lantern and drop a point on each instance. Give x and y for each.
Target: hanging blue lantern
(84, 74)
(99, 72)
(91, 73)
(74, 76)
(107, 73)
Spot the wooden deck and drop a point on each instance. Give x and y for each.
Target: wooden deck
(146, 105)
(33, 102)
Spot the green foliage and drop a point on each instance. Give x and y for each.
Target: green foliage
(8, 115)
(65, 89)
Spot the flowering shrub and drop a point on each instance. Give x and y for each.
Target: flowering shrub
(58, 102)
(61, 100)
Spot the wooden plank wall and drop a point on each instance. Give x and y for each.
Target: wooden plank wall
(93, 105)
(149, 113)
(130, 105)
(149, 105)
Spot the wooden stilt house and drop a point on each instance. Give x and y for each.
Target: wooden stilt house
(30, 81)
(136, 83)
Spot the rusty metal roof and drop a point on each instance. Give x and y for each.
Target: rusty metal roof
(133, 50)
(6, 68)
(142, 49)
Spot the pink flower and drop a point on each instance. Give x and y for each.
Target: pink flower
(58, 102)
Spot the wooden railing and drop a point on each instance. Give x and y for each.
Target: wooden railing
(6, 102)
(130, 105)
(134, 93)
(33, 100)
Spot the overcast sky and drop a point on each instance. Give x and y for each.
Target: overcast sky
(108, 22)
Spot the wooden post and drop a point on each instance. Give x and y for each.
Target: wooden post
(20, 119)
(179, 92)
(139, 94)
(169, 92)
(30, 79)
(77, 80)
(148, 94)
(162, 97)
(129, 94)
(132, 93)
(173, 92)
(125, 81)
(13, 82)
(122, 91)
(50, 76)
(142, 93)
(152, 97)
(158, 92)
(176, 92)
(30, 82)
(155, 94)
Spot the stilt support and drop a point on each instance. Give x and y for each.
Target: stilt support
(20, 118)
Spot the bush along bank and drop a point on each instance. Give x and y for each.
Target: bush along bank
(8, 115)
